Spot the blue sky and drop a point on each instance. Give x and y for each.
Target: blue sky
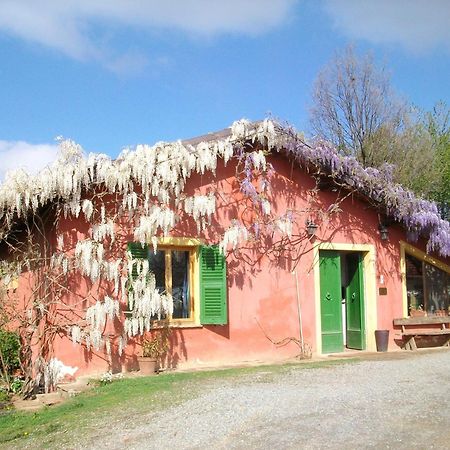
(114, 74)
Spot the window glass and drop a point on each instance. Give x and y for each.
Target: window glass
(414, 283)
(180, 284)
(436, 288)
(171, 269)
(428, 287)
(157, 265)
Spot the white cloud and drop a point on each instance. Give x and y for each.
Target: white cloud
(72, 26)
(30, 157)
(417, 25)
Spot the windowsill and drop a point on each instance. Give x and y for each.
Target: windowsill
(186, 325)
(173, 323)
(176, 324)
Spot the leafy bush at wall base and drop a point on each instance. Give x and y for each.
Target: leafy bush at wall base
(9, 347)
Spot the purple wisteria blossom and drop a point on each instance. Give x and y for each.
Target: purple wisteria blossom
(420, 217)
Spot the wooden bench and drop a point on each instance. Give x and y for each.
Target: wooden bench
(409, 335)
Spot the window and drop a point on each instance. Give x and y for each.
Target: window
(173, 273)
(427, 286)
(194, 275)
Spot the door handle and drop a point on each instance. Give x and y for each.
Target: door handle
(328, 296)
(353, 296)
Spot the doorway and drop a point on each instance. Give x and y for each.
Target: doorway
(342, 305)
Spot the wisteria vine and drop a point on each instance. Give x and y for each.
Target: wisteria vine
(147, 185)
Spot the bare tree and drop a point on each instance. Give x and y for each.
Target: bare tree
(355, 108)
(353, 104)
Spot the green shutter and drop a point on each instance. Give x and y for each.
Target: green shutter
(213, 286)
(137, 252)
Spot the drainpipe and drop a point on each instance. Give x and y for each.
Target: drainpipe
(299, 310)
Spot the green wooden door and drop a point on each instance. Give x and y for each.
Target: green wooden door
(331, 302)
(355, 303)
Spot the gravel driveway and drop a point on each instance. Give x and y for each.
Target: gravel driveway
(401, 401)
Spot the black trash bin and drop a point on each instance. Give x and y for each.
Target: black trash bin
(382, 340)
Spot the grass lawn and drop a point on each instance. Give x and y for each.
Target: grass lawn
(82, 418)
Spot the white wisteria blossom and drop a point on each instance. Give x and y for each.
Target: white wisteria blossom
(201, 208)
(265, 207)
(87, 208)
(76, 334)
(241, 129)
(236, 234)
(158, 219)
(259, 160)
(96, 316)
(284, 225)
(103, 230)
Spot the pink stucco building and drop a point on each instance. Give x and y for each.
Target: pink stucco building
(347, 268)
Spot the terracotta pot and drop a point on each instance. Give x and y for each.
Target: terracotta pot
(147, 366)
(417, 313)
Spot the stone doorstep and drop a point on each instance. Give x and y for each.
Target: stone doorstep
(41, 400)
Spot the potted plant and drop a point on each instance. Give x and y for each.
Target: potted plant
(154, 349)
(417, 312)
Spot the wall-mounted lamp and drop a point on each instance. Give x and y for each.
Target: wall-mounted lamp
(384, 233)
(311, 228)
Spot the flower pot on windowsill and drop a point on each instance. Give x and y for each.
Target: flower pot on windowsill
(441, 313)
(147, 365)
(417, 313)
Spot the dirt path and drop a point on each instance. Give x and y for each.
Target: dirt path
(401, 401)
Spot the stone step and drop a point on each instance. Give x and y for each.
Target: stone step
(41, 400)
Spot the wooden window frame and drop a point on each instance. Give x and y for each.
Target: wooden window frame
(409, 249)
(169, 244)
(168, 278)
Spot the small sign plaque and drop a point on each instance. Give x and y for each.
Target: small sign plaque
(382, 291)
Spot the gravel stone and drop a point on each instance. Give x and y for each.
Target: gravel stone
(400, 401)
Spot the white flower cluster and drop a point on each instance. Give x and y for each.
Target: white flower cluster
(90, 260)
(88, 208)
(97, 313)
(267, 134)
(96, 316)
(259, 160)
(144, 299)
(284, 225)
(163, 218)
(103, 230)
(76, 334)
(265, 206)
(160, 171)
(233, 236)
(89, 257)
(241, 129)
(201, 208)
(60, 260)
(109, 377)
(130, 201)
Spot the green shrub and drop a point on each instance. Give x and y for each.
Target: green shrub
(4, 397)
(10, 347)
(16, 385)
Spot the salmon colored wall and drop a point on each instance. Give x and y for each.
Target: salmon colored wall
(262, 299)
